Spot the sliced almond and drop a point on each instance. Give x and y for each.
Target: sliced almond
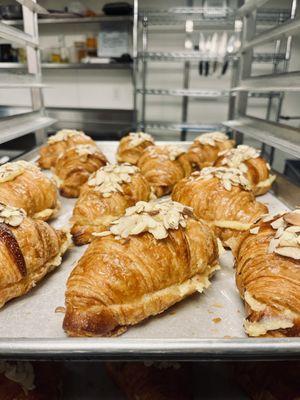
(293, 218)
(254, 231)
(292, 252)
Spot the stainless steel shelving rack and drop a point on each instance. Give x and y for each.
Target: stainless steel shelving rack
(268, 131)
(36, 120)
(207, 18)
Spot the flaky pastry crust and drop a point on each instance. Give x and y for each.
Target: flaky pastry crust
(28, 252)
(162, 170)
(93, 212)
(32, 191)
(51, 151)
(228, 212)
(74, 167)
(132, 146)
(118, 283)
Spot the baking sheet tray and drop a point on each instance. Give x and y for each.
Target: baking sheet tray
(204, 326)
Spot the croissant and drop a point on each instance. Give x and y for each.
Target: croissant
(255, 168)
(29, 249)
(132, 146)
(223, 198)
(152, 381)
(105, 197)
(58, 143)
(268, 278)
(153, 257)
(276, 380)
(23, 185)
(205, 149)
(163, 167)
(74, 167)
(21, 380)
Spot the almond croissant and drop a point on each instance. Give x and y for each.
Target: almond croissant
(132, 146)
(222, 197)
(152, 381)
(268, 276)
(206, 148)
(58, 143)
(255, 168)
(163, 167)
(23, 185)
(29, 249)
(153, 257)
(74, 167)
(105, 197)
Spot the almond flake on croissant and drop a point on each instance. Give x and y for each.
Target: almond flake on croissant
(132, 146)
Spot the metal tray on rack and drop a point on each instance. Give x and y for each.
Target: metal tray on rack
(203, 327)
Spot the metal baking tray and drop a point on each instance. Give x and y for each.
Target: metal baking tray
(205, 326)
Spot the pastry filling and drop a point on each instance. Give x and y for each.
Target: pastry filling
(109, 179)
(11, 216)
(64, 134)
(267, 324)
(228, 176)
(286, 241)
(135, 139)
(212, 138)
(10, 171)
(156, 218)
(236, 225)
(19, 372)
(86, 149)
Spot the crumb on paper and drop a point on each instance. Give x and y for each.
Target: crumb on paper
(60, 310)
(227, 337)
(217, 305)
(172, 312)
(217, 320)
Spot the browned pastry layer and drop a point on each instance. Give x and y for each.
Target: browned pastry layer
(275, 380)
(229, 212)
(23, 185)
(269, 282)
(120, 282)
(27, 253)
(163, 169)
(58, 143)
(205, 154)
(132, 146)
(156, 381)
(93, 212)
(44, 383)
(255, 168)
(74, 167)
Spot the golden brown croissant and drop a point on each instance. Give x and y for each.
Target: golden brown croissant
(132, 146)
(272, 380)
(268, 276)
(58, 143)
(105, 197)
(206, 148)
(23, 185)
(74, 167)
(153, 257)
(223, 198)
(152, 381)
(29, 249)
(255, 168)
(163, 167)
(21, 380)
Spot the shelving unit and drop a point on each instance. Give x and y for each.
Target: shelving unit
(203, 19)
(268, 131)
(13, 65)
(35, 121)
(73, 20)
